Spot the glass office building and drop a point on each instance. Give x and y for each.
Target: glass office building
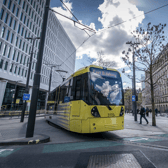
(20, 19)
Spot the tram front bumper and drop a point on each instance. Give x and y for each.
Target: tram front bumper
(106, 124)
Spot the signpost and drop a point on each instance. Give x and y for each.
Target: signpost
(133, 98)
(26, 96)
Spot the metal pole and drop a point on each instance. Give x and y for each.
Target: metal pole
(27, 82)
(48, 93)
(50, 80)
(36, 84)
(134, 88)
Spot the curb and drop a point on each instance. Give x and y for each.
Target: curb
(37, 139)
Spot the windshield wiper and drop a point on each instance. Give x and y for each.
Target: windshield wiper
(108, 107)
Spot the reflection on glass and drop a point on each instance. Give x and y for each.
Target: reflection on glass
(105, 90)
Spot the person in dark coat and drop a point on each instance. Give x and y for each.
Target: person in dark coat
(156, 111)
(142, 114)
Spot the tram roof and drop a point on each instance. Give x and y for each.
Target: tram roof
(87, 69)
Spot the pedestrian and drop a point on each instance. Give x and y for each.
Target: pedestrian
(142, 114)
(156, 111)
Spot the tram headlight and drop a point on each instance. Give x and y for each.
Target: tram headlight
(95, 112)
(122, 111)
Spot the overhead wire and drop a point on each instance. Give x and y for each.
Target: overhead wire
(108, 28)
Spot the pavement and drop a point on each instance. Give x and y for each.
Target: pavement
(136, 146)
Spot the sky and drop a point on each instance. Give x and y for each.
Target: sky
(101, 14)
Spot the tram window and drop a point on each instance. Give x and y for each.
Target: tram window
(85, 90)
(70, 88)
(78, 89)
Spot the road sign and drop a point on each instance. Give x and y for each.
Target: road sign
(66, 99)
(133, 97)
(26, 96)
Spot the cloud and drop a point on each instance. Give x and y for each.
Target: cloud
(111, 41)
(128, 71)
(138, 85)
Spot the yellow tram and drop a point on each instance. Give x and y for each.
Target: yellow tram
(90, 100)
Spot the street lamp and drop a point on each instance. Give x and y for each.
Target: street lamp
(52, 66)
(28, 76)
(13, 96)
(133, 80)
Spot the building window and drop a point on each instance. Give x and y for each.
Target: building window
(29, 11)
(10, 22)
(17, 59)
(11, 40)
(19, 71)
(25, 73)
(4, 2)
(11, 67)
(9, 51)
(27, 22)
(19, 28)
(26, 8)
(31, 75)
(30, 25)
(2, 13)
(4, 51)
(7, 35)
(25, 35)
(13, 8)
(6, 66)
(22, 71)
(27, 62)
(32, 14)
(19, 2)
(22, 31)
(9, 4)
(33, 29)
(23, 46)
(21, 59)
(14, 54)
(35, 18)
(34, 4)
(14, 25)
(15, 70)
(24, 21)
(21, 16)
(20, 44)
(17, 12)
(1, 63)
(23, 6)
(3, 32)
(0, 44)
(6, 18)
(16, 41)
(26, 48)
(24, 60)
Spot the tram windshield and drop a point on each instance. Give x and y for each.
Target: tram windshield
(106, 87)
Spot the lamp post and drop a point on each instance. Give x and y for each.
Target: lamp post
(13, 96)
(28, 76)
(133, 81)
(49, 88)
(36, 84)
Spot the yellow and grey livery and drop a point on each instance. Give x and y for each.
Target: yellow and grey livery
(81, 105)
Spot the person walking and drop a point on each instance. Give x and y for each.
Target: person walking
(142, 114)
(156, 111)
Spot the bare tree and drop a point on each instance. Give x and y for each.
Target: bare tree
(101, 61)
(149, 56)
